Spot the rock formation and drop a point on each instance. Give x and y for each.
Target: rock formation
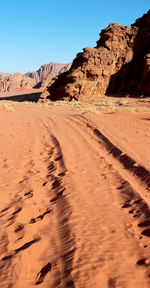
(38, 79)
(44, 70)
(2, 74)
(47, 80)
(15, 81)
(120, 63)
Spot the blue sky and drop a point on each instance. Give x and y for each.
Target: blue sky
(35, 32)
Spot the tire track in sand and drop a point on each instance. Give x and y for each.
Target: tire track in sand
(79, 143)
(136, 205)
(40, 204)
(56, 172)
(85, 237)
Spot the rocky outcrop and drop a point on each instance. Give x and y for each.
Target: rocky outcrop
(47, 80)
(2, 74)
(44, 70)
(15, 81)
(38, 79)
(120, 63)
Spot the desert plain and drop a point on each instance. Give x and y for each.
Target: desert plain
(75, 192)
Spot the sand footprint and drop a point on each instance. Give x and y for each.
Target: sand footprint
(20, 231)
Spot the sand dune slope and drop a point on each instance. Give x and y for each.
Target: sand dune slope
(74, 209)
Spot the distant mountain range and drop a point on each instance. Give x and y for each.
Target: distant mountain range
(39, 78)
(45, 69)
(4, 74)
(10, 82)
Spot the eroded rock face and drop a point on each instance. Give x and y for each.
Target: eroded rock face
(46, 69)
(120, 63)
(15, 81)
(47, 80)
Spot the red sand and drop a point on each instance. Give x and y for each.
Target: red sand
(74, 209)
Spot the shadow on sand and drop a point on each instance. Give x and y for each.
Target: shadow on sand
(33, 97)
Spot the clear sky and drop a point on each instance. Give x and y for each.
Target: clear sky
(35, 32)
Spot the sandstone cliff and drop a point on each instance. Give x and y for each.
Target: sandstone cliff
(15, 81)
(47, 80)
(120, 63)
(44, 70)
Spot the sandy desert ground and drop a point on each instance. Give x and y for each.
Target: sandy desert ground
(75, 195)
